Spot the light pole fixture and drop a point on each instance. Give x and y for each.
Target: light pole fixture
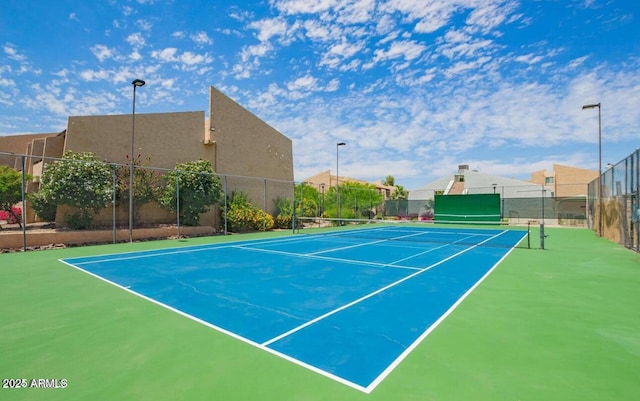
(338, 177)
(136, 83)
(593, 106)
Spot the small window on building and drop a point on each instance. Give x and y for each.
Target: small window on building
(548, 180)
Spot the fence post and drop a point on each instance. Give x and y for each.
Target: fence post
(178, 202)
(23, 215)
(113, 203)
(264, 203)
(225, 205)
(293, 212)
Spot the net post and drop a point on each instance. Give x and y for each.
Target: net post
(542, 235)
(528, 234)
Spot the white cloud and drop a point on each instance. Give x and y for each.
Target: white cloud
(136, 40)
(135, 56)
(102, 52)
(303, 6)
(529, 59)
(190, 58)
(144, 25)
(12, 53)
(165, 55)
(339, 52)
(491, 14)
(407, 50)
(201, 38)
(7, 82)
(269, 28)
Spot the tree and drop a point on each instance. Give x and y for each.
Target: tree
(307, 200)
(79, 180)
(146, 185)
(198, 187)
(10, 191)
(356, 200)
(400, 193)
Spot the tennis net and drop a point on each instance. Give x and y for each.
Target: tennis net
(486, 234)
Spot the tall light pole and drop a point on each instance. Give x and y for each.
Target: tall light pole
(338, 176)
(593, 106)
(136, 83)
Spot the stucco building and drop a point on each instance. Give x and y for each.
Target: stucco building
(565, 181)
(328, 180)
(248, 154)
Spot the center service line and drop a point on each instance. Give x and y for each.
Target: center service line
(357, 301)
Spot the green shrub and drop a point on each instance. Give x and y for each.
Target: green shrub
(262, 221)
(79, 180)
(78, 221)
(283, 221)
(242, 215)
(44, 207)
(198, 186)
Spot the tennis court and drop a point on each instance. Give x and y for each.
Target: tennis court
(558, 324)
(349, 304)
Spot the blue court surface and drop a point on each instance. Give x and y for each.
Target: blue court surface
(350, 305)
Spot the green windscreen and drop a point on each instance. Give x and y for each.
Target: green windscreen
(478, 207)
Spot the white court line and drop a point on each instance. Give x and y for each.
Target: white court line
(357, 301)
(172, 251)
(315, 369)
(430, 329)
(315, 255)
(224, 331)
(430, 250)
(365, 244)
(312, 256)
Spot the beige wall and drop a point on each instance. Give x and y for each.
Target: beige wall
(246, 146)
(167, 138)
(236, 142)
(571, 181)
(567, 181)
(18, 144)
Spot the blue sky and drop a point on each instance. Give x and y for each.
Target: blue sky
(414, 87)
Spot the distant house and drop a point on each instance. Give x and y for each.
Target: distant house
(467, 181)
(564, 180)
(564, 191)
(326, 180)
(254, 157)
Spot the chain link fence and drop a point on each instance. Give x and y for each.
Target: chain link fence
(614, 203)
(88, 201)
(167, 203)
(518, 204)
